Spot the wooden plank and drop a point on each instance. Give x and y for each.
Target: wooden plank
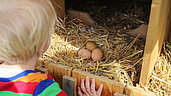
(57, 71)
(167, 35)
(59, 6)
(134, 91)
(69, 85)
(109, 86)
(157, 31)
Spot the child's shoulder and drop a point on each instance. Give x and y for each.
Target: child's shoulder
(46, 86)
(31, 82)
(28, 76)
(33, 76)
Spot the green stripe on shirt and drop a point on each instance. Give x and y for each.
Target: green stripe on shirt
(52, 90)
(9, 93)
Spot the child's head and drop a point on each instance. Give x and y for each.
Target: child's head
(25, 28)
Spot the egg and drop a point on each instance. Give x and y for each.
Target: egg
(84, 53)
(97, 54)
(90, 45)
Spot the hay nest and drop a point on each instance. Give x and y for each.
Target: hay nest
(122, 54)
(122, 58)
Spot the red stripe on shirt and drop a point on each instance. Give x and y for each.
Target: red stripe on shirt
(18, 87)
(62, 93)
(49, 77)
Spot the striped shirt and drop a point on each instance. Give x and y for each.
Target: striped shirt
(30, 83)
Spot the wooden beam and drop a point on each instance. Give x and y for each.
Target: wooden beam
(57, 71)
(69, 85)
(157, 31)
(109, 86)
(59, 6)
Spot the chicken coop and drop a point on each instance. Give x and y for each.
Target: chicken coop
(130, 65)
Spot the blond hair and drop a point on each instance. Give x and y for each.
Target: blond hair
(25, 26)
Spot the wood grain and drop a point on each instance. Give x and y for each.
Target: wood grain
(158, 30)
(57, 71)
(109, 86)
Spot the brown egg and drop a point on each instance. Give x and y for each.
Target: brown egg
(84, 53)
(90, 45)
(97, 54)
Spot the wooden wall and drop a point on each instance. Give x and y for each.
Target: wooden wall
(110, 87)
(59, 6)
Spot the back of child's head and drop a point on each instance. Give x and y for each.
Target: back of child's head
(25, 26)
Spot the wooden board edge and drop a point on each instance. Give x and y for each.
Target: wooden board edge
(108, 85)
(70, 88)
(102, 78)
(69, 78)
(48, 63)
(134, 91)
(119, 94)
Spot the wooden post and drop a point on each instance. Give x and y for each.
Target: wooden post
(109, 86)
(57, 71)
(59, 6)
(69, 85)
(158, 30)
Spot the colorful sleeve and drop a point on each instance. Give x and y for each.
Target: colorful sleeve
(48, 87)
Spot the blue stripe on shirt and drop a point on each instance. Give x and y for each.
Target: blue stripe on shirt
(42, 86)
(24, 73)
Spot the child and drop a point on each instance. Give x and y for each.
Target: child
(25, 31)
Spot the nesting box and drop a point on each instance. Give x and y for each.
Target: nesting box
(158, 32)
